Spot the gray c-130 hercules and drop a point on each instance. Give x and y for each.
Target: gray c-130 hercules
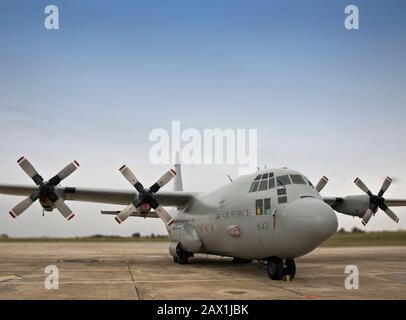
(273, 215)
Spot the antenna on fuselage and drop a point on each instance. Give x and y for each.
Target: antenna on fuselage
(230, 178)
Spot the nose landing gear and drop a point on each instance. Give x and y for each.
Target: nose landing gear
(277, 268)
(290, 268)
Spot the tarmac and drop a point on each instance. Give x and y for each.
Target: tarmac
(145, 270)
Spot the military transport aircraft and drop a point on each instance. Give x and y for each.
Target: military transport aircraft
(273, 215)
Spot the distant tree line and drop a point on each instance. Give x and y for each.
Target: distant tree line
(134, 235)
(353, 230)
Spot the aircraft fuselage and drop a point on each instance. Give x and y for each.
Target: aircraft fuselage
(274, 212)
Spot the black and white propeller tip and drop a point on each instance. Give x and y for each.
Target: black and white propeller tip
(376, 201)
(145, 199)
(322, 183)
(46, 189)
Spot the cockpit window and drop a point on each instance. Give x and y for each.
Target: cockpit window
(263, 185)
(282, 199)
(297, 179)
(309, 182)
(264, 182)
(271, 183)
(254, 186)
(283, 180)
(281, 192)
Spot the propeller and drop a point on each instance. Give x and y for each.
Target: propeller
(46, 189)
(376, 201)
(146, 197)
(322, 183)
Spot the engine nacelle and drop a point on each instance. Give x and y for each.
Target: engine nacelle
(353, 205)
(187, 237)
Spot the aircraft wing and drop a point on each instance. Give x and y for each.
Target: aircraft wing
(109, 196)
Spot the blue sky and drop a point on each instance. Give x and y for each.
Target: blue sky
(325, 100)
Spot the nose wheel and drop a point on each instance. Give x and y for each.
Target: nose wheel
(290, 268)
(277, 269)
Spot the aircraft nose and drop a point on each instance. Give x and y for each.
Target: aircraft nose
(306, 223)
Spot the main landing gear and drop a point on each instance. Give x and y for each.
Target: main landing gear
(183, 256)
(277, 268)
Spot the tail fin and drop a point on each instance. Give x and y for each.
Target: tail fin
(177, 183)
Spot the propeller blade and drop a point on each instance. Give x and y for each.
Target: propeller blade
(368, 214)
(161, 212)
(321, 184)
(389, 212)
(131, 178)
(64, 173)
(362, 186)
(30, 170)
(385, 186)
(64, 209)
(164, 215)
(23, 205)
(163, 180)
(125, 213)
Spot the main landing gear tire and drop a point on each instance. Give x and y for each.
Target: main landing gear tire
(290, 268)
(275, 268)
(183, 256)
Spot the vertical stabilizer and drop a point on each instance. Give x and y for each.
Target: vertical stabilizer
(177, 183)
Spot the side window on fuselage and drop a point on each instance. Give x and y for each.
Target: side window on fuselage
(267, 206)
(259, 207)
(263, 206)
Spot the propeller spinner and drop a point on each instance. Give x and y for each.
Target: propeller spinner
(146, 197)
(376, 201)
(46, 189)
